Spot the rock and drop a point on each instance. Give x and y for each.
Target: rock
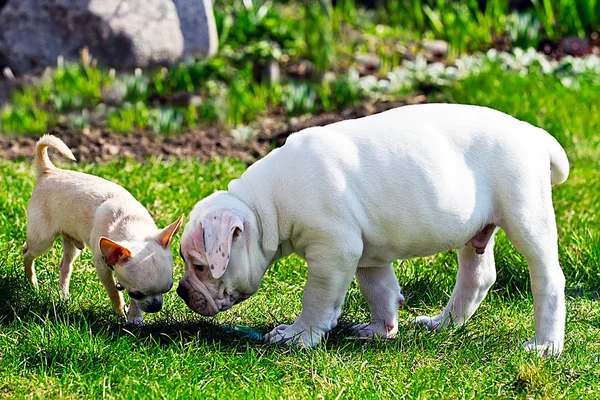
(300, 69)
(118, 33)
(114, 95)
(368, 64)
(198, 27)
(437, 48)
(112, 149)
(576, 47)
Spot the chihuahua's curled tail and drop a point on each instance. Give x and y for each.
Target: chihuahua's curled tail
(42, 161)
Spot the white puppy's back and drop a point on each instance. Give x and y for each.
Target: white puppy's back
(437, 171)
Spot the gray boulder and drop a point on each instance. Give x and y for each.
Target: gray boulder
(118, 33)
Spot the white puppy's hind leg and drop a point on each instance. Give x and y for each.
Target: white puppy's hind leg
(476, 274)
(380, 288)
(534, 235)
(70, 253)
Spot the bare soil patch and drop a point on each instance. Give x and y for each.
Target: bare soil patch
(101, 145)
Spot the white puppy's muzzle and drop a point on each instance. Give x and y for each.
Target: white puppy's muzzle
(197, 296)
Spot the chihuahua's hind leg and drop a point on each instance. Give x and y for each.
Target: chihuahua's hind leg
(37, 245)
(71, 251)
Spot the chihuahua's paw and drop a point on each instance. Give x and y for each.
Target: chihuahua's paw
(296, 334)
(544, 350)
(378, 329)
(437, 323)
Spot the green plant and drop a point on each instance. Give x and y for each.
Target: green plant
(25, 120)
(464, 25)
(129, 117)
(299, 98)
(568, 17)
(523, 29)
(246, 101)
(74, 86)
(318, 29)
(346, 91)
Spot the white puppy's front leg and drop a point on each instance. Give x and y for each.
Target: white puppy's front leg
(380, 288)
(329, 276)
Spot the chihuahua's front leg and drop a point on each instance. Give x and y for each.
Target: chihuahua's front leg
(135, 316)
(330, 271)
(106, 277)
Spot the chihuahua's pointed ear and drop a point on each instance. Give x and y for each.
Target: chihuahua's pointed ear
(220, 228)
(113, 252)
(166, 235)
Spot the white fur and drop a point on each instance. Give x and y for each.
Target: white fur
(353, 196)
(82, 209)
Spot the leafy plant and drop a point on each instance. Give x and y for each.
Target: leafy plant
(523, 29)
(561, 18)
(25, 120)
(464, 25)
(299, 98)
(319, 34)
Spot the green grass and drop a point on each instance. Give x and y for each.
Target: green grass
(78, 348)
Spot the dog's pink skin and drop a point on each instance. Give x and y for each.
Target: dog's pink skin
(481, 239)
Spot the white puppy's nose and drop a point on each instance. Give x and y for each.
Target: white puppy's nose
(401, 301)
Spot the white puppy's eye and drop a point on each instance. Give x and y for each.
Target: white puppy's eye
(237, 232)
(199, 267)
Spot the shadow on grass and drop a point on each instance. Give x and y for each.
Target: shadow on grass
(19, 304)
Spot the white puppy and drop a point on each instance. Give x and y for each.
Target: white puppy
(353, 196)
(120, 232)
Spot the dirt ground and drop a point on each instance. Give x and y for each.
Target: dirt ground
(99, 145)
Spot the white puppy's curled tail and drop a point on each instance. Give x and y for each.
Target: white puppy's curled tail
(42, 161)
(559, 163)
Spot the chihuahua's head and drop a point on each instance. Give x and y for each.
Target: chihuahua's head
(144, 268)
(223, 260)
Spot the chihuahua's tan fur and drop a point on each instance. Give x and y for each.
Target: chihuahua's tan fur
(85, 209)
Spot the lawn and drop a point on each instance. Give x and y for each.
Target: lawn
(78, 348)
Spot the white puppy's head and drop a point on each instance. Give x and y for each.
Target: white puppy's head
(144, 268)
(223, 261)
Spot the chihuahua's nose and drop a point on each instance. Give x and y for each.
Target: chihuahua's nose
(155, 305)
(183, 293)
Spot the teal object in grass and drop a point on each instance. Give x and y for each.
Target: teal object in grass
(246, 332)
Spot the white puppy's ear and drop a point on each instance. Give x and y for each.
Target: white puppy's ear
(220, 228)
(113, 252)
(166, 235)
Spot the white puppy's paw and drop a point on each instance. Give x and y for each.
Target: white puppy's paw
(296, 334)
(544, 350)
(375, 329)
(437, 323)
